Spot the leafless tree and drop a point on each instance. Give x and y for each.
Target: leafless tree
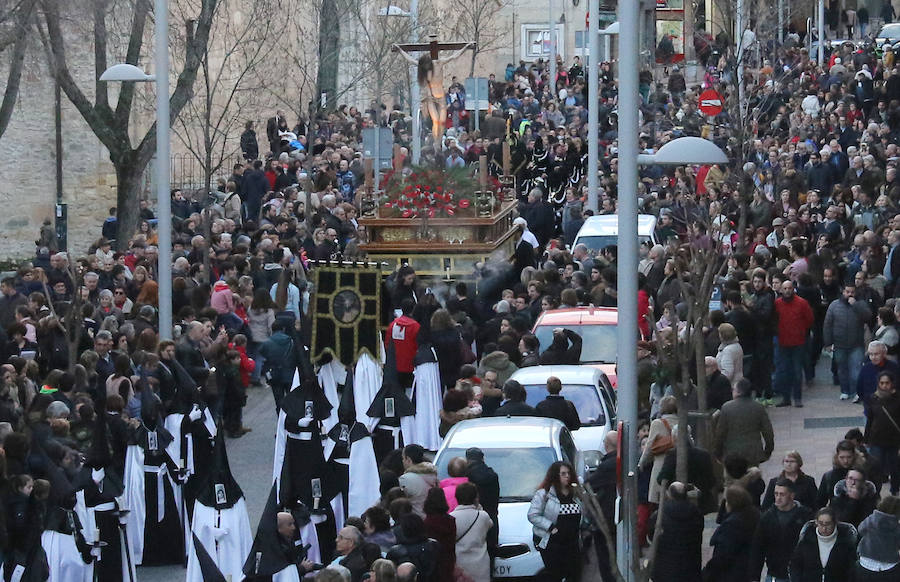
(15, 22)
(230, 69)
(477, 22)
(111, 123)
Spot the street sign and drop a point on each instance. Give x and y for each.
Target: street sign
(477, 97)
(715, 299)
(710, 103)
(383, 150)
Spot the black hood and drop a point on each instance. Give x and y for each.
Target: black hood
(295, 401)
(150, 405)
(99, 454)
(266, 557)
(347, 406)
(208, 568)
(401, 404)
(344, 435)
(219, 479)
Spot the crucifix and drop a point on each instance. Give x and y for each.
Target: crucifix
(430, 69)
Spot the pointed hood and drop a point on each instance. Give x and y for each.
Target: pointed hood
(219, 488)
(295, 402)
(266, 557)
(391, 402)
(208, 568)
(347, 407)
(99, 453)
(150, 405)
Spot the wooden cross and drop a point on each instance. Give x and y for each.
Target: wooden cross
(433, 47)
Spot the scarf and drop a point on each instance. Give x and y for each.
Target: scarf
(826, 544)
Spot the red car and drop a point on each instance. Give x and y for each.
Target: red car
(597, 327)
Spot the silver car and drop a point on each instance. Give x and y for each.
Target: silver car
(520, 449)
(589, 390)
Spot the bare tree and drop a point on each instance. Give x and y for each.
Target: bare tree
(15, 22)
(477, 22)
(228, 83)
(111, 124)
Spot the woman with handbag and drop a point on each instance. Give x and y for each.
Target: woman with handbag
(883, 428)
(659, 442)
(555, 515)
(472, 527)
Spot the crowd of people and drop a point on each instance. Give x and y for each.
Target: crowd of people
(114, 442)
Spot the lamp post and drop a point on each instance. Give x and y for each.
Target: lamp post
(687, 150)
(593, 70)
(130, 73)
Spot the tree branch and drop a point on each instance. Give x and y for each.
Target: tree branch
(11, 93)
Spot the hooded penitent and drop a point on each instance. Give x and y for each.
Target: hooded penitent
(220, 523)
(151, 487)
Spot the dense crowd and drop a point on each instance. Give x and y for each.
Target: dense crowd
(113, 440)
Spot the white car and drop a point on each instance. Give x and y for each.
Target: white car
(520, 449)
(589, 390)
(598, 232)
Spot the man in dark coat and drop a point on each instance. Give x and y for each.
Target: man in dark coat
(253, 190)
(603, 482)
(678, 554)
(777, 533)
(845, 458)
(488, 484)
(718, 386)
(189, 355)
(556, 406)
(539, 215)
(514, 401)
(565, 348)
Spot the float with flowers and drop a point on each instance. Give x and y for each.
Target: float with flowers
(440, 221)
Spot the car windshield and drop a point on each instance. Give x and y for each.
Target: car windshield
(599, 242)
(598, 344)
(890, 30)
(583, 396)
(520, 470)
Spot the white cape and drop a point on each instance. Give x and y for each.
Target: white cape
(64, 558)
(136, 502)
(427, 393)
(232, 548)
(366, 384)
(364, 479)
(330, 375)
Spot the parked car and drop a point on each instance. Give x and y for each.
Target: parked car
(520, 449)
(598, 232)
(589, 390)
(597, 327)
(889, 33)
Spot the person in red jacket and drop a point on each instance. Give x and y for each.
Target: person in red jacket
(795, 318)
(402, 333)
(247, 365)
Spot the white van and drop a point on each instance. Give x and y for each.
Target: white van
(599, 232)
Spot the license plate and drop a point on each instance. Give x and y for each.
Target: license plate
(502, 570)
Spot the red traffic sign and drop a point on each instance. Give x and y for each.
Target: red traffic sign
(710, 103)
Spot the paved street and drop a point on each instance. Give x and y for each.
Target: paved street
(812, 430)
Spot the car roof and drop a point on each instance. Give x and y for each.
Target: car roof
(497, 432)
(608, 224)
(567, 374)
(578, 316)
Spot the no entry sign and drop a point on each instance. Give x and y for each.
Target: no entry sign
(710, 103)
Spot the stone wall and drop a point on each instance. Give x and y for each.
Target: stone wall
(28, 171)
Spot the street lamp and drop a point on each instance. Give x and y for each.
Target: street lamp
(129, 73)
(687, 150)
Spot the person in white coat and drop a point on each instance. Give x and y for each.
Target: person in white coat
(472, 527)
(731, 356)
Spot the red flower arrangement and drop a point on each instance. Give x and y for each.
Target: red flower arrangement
(421, 200)
(429, 193)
